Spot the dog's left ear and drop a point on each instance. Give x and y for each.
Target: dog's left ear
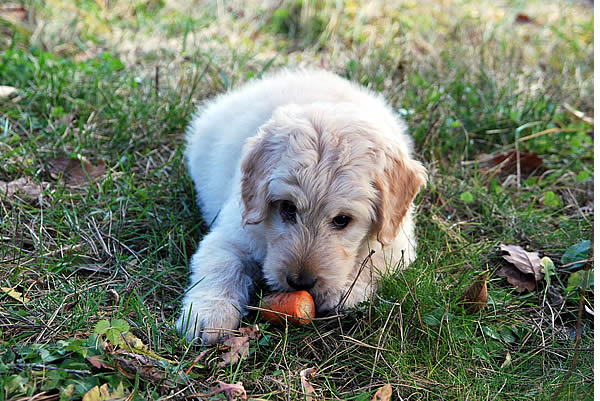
(259, 157)
(397, 185)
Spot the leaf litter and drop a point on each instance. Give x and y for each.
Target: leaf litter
(239, 346)
(475, 297)
(24, 186)
(103, 393)
(231, 391)
(525, 268)
(307, 388)
(75, 172)
(384, 393)
(128, 355)
(506, 163)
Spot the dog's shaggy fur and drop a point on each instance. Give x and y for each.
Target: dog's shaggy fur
(302, 174)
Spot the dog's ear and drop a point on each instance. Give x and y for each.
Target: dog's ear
(259, 159)
(397, 185)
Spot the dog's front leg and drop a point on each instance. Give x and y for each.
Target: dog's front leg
(219, 288)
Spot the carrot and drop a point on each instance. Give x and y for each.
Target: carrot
(297, 304)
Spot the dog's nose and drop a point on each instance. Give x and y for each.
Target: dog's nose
(302, 282)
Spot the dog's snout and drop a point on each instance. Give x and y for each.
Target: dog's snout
(303, 282)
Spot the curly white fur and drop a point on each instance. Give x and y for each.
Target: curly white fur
(322, 144)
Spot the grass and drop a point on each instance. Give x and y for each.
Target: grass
(116, 82)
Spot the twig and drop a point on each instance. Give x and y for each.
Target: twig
(202, 355)
(578, 261)
(547, 131)
(578, 114)
(362, 266)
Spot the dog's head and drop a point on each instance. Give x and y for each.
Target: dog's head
(325, 179)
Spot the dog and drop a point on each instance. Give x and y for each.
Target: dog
(309, 181)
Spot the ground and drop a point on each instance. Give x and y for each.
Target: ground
(98, 221)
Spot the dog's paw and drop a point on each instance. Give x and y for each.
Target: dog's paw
(208, 320)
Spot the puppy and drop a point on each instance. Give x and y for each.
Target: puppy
(302, 175)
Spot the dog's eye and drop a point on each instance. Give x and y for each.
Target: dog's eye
(288, 211)
(340, 222)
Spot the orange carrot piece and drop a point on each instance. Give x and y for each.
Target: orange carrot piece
(297, 304)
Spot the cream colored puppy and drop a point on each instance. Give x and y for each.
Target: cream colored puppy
(302, 174)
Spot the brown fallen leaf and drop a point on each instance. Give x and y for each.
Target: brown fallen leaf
(506, 163)
(525, 268)
(526, 262)
(307, 388)
(75, 171)
(524, 19)
(384, 393)
(98, 362)
(475, 297)
(231, 391)
(519, 280)
(239, 346)
(24, 186)
(253, 332)
(147, 367)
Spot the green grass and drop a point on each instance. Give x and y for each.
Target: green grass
(468, 80)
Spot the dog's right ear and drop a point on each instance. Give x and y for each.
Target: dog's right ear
(258, 161)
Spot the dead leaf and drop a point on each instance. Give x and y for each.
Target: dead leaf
(24, 186)
(524, 19)
(75, 171)
(475, 297)
(103, 393)
(307, 388)
(147, 367)
(519, 280)
(239, 346)
(98, 362)
(384, 393)
(506, 163)
(14, 294)
(253, 332)
(526, 262)
(231, 391)
(525, 269)
(6, 91)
